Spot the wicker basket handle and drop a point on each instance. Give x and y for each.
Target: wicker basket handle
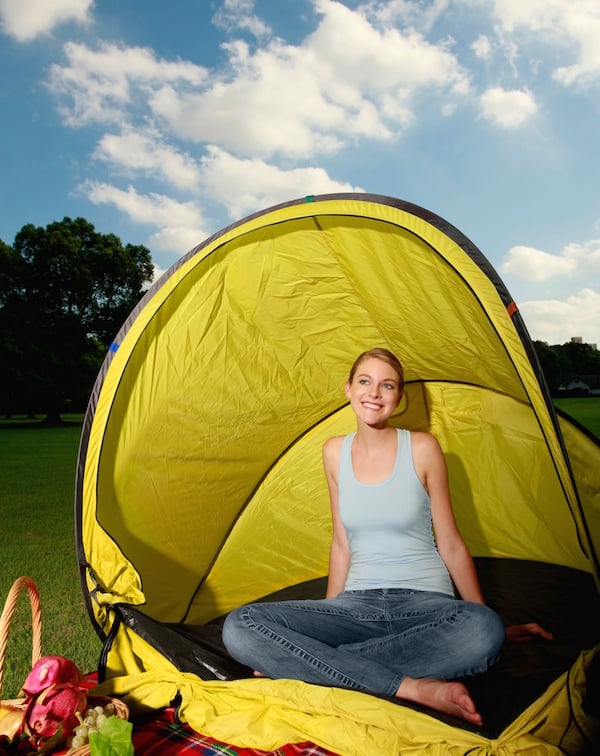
(7, 615)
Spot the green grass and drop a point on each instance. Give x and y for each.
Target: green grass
(37, 474)
(585, 410)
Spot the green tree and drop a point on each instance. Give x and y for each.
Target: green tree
(583, 359)
(563, 362)
(66, 290)
(549, 363)
(12, 269)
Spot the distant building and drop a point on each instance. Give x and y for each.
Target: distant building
(587, 385)
(576, 384)
(579, 340)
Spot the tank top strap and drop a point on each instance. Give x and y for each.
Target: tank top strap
(346, 457)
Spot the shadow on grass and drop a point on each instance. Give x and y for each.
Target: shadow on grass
(41, 421)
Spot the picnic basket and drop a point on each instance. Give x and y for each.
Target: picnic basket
(13, 710)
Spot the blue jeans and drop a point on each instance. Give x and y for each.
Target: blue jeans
(369, 640)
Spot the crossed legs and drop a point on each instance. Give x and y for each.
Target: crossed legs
(401, 643)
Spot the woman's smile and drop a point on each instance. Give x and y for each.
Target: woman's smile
(367, 404)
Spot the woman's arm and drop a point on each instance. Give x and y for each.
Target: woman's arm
(339, 552)
(430, 465)
(431, 468)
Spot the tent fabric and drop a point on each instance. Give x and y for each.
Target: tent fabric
(199, 483)
(561, 599)
(267, 714)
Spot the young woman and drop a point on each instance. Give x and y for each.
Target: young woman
(390, 622)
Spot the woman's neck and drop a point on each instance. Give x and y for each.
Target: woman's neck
(371, 438)
(374, 452)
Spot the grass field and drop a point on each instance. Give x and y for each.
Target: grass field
(585, 411)
(37, 474)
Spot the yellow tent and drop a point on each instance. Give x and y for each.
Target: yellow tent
(200, 486)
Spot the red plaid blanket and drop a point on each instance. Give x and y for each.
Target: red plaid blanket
(161, 734)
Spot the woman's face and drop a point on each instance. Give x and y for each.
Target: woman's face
(374, 392)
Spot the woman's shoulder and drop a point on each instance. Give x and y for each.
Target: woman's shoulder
(332, 452)
(427, 454)
(333, 444)
(424, 442)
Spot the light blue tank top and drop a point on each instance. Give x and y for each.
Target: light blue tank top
(389, 527)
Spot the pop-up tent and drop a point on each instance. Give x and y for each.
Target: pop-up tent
(200, 486)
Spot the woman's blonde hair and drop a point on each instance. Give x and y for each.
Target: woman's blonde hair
(385, 356)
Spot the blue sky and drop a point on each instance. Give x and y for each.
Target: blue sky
(162, 122)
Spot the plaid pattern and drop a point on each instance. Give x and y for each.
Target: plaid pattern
(163, 735)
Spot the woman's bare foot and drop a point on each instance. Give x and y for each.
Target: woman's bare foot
(256, 673)
(446, 697)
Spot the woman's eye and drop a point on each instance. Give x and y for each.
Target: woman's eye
(389, 386)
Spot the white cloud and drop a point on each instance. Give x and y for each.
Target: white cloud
(575, 22)
(26, 19)
(259, 115)
(587, 256)
(507, 108)
(158, 272)
(556, 321)
(448, 109)
(259, 184)
(346, 80)
(411, 13)
(100, 85)
(154, 209)
(176, 240)
(536, 265)
(482, 47)
(147, 154)
(349, 81)
(237, 14)
(355, 51)
(180, 224)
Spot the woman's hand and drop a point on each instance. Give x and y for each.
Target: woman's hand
(526, 632)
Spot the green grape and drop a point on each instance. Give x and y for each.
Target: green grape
(95, 717)
(81, 731)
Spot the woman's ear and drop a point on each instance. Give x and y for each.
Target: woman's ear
(347, 389)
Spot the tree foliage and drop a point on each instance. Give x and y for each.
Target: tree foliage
(64, 292)
(562, 363)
